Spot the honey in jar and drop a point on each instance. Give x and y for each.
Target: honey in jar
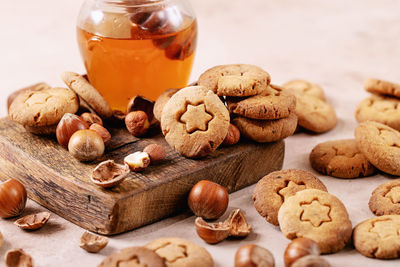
(134, 48)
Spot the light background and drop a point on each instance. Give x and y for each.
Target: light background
(337, 44)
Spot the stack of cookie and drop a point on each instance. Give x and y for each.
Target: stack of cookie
(383, 104)
(261, 111)
(312, 110)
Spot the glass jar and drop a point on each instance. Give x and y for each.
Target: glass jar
(136, 47)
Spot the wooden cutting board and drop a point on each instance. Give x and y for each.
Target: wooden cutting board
(59, 182)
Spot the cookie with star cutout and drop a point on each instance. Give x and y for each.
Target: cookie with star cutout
(195, 121)
(316, 215)
(378, 237)
(275, 188)
(385, 199)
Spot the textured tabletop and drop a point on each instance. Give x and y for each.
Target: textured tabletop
(337, 44)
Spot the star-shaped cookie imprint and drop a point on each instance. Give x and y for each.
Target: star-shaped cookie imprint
(172, 252)
(394, 194)
(290, 190)
(386, 229)
(196, 118)
(315, 213)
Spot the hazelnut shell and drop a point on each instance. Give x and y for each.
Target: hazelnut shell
(109, 174)
(33, 221)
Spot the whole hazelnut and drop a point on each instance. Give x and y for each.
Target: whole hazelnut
(68, 125)
(232, 137)
(299, 248)
(103, 132)
(12, 198)
(91, 118)
(86, 145)
(156, 152)
(208, 200)
(250, 255)
(137, 123)
(311, 261)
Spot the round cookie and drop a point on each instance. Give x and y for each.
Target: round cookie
(266, 130)
(235, 80)
(195, 121)
(378, 237)
(87, 92)
(380, 144)
(179, 252)
(134, 256)
(377, 86)
(305, 87)
(316, 215)
(340, 158)
(43, 108)
(314, 114)
(273, 189)
(272, 103)
(161, 101)
(382, 109)
(385, 199)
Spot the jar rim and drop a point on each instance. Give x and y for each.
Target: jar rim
(133, 3)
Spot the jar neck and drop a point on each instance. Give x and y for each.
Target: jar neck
(132, 3)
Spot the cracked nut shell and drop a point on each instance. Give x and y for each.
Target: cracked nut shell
(109, 174)
(93, 243)
(238, 224)
(33, 221)
(251, 255)
(211, 233)
(18, 258)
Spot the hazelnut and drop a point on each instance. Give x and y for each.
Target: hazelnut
(311, 261)
(68, 125)
(232, 137)
(86, 145)
(298, 248)
(18, 257)
(156, 152)
(33, 221)
(93, 243)
(141, 103)
(103, 132)
(12, 198)
(137, 161)
(252, 255)
(108, 173)
(137, 123)
(208, 200)
(91, 118)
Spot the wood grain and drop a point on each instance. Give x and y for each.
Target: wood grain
(59, 182)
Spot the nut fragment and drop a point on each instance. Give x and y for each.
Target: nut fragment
(108, 173)
(103, 132)
(211, 233)
(232, 137)
(236, 225)
(137, 161)
(311, 261)
(141, 103)
(1, 240)
(253, 255)
(93, 243)
(18, 258)
(91, 118)
(299, 248)
(33, 221)
(137, 123)
(156, 152)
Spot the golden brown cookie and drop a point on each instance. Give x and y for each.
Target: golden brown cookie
(385, 199)
(85, 90)
(235, 80)
(340, 158)
(35, 87)
(377, 86)
(161, 101)
(314, 114)
(179, 252)
(380, 144)
(316, 215)
(273, 189)
(272, 103)
(43, 108)
(305, 87)
(195, 121)
(266, 130)
(378, 237)
(382, 109)
(134, 257)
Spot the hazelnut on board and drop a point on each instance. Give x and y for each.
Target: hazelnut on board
(91, 118)
(232, 137)
(137, 161)
(156, 152)
(86, 145)
(137, 123)
(103, 132)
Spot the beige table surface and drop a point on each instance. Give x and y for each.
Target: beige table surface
(336, 44)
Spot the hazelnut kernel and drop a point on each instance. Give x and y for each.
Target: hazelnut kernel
(91, 118)
(103, 132)
(156, 152)
(137, 123)
(137, 161)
